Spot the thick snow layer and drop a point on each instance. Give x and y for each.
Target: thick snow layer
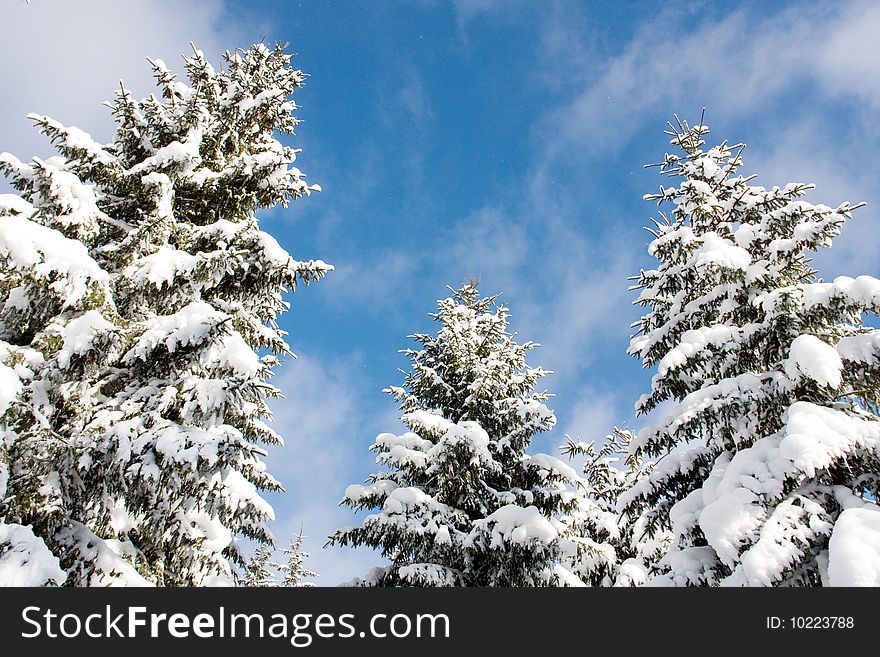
(692, 342)
(729, 520)
(715, 250)
(862, 348)
(552, 465)
(811, 357)
(741, 508)
(12, 204)
(400, 499)
(784, 540)
(816, 435)
(429, 574)
(44, 251)
(80, 333)
(25, 560)
(233, 352)
(632, 572)
(518, 525)
(10, 387)
(162, 267)
(690, 566)
(188, 326)
(357, 492)
(110, 569)
(854, 549)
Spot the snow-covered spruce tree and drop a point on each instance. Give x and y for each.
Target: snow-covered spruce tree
(461, 503)
(770, 456)
(293, 570)
(613, 549)
(137, 290)
(258, 572)
(261, 572)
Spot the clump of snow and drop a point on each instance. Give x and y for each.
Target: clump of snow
(187, 326)
(162, 267)
(10, 387)
(357, 492)
(432, 424)
(861, 348)
(811, 357)
(854, 549)
(517, 525)
(691, 343)
(80, 333)
(729, 520)
(402, 498)
(632, 572)
(691, 566)
(25, 560)
(272, 250)
(428, 574)
(404, 450)
(816, 435)
(43, 251)
(718, 251)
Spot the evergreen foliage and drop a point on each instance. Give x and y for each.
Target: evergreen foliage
(138, 326)
(462, 503)
(772, 438)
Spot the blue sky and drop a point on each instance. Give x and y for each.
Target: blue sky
(500, 139)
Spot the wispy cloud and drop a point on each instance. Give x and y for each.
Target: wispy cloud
(328, 419)
(76, 53)
(733, 65)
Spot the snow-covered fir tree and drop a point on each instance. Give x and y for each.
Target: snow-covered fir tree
(613, 549)
(138, 329)
(769, 459)
(259, 570)
(293, 570)
(461, 502)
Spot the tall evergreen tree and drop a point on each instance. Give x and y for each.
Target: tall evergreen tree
(138, 294)
(613, 549)
(462, 503)
(773, 442)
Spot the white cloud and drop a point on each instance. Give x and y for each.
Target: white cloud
(64, 58)
(734, 66)
(593, 417)
(373, 282)
(328, 420)
(562, 289)
(803, 152)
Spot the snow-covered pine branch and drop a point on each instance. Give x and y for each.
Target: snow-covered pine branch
(769, 459)
(138, 328)
(461, 503)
